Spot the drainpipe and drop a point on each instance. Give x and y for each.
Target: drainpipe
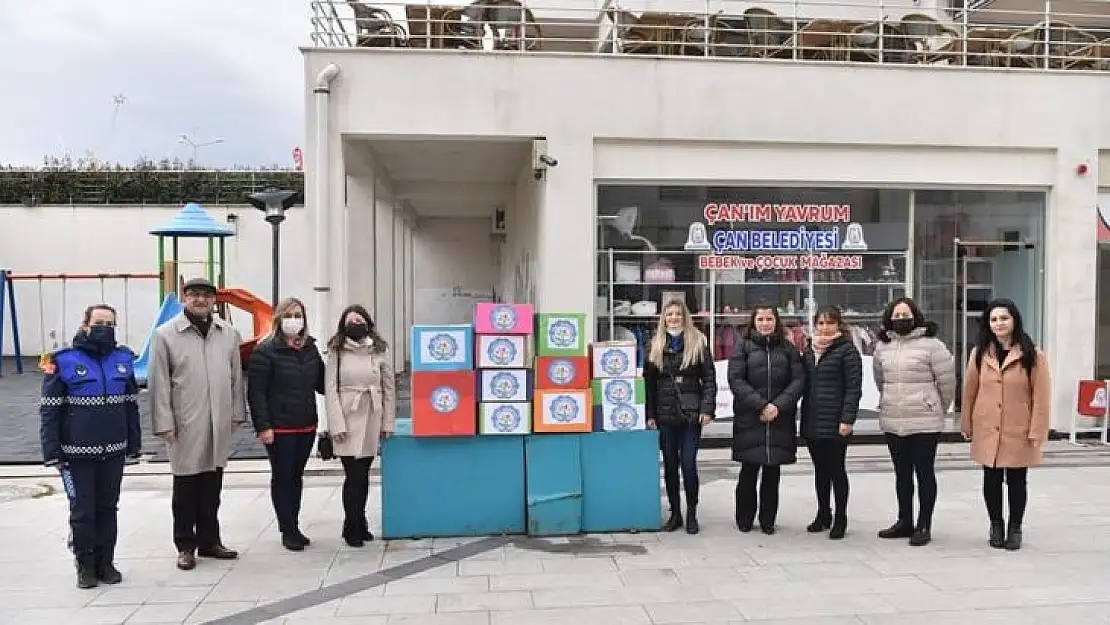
(322, 195)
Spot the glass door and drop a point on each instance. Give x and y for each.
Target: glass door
(983, 271)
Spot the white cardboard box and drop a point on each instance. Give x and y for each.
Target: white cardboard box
(622, 417)
(503, 351)
(504, 418)
(614, 359)
(503, 385)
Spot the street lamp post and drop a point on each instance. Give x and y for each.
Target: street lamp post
(274, 202)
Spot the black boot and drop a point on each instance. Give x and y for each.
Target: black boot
(674, 522)
(291, 542)
(998, 535)
(921, 536)
(367, 535)
(692, 526)
(86, 575)
(821, 522)
(109, 574)
(901, 529)
(352, 535)
(1013, 536)
(839, 527)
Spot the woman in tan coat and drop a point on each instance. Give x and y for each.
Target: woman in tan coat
(1006, 398)
(361, 405)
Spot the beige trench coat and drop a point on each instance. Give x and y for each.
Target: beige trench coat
(362, 401)
(1006, 413)
(196, 389)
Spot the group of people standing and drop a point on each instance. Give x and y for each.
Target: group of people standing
(200, 395)
(1005, 413)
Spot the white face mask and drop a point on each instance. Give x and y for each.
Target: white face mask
(291, 326)
(674, 331)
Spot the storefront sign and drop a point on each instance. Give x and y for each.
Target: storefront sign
(815, 243)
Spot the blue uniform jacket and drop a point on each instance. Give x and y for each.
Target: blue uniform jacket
(89, 405)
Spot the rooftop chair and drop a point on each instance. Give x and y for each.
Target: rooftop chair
(878, 42)
(927, 40)
(512, 26)
(375, 28)
(824, 40)
(769, 35)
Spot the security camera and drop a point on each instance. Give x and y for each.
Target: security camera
(547, 160)
(537, 174)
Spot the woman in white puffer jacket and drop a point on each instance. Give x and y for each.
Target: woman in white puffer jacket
(916, 376)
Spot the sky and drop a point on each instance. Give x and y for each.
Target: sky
(208, 69)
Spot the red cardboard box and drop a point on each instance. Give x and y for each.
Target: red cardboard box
(562, 372)
(444, 403)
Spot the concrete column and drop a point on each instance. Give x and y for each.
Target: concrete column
(360, 243)
(1070, 321)
(398, 282)
(384, 259)
(565, 220)
(410, 272)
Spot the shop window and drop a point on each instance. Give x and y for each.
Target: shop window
(1102, 347)
(971, 247)
(794, 248)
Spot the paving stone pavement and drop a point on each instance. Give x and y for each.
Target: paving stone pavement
(19, 419)
(718, 576)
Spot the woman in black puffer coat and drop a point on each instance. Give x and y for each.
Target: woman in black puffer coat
(834, 381)
(681, 384)
(767, 381)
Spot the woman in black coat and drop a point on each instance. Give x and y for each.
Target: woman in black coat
(284, 376)
(681, 384)
(767, 380)
(834, 386)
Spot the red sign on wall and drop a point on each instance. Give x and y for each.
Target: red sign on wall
(1092, 398)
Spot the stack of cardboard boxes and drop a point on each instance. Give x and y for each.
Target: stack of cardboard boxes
(504, 356)
(562, 396)
(443, 381)
(618, 389)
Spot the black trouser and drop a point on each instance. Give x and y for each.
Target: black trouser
(356, 489)
(912, 455)
(1017, 487)
(679, 444)
(92, 510)
(288, 456)
(829, 473)
(196, 505)
(768, 503)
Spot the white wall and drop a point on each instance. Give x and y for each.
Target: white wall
(518, 251)
(698, 120)
(454, 267)
(115, 239)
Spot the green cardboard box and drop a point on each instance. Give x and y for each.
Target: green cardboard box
(561, 334)
(611, 391)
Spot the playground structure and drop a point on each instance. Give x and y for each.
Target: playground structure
(191, 222)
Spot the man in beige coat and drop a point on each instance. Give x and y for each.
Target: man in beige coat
(197, 399)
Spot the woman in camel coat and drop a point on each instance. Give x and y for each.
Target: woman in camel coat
(361, 402)
(1007, 392)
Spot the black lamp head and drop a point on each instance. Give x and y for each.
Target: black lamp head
(274, 202)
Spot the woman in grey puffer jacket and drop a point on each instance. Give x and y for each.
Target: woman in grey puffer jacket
(916, 376)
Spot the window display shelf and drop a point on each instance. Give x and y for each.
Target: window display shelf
(861, 294)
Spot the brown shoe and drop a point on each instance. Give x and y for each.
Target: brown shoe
(219, 552)
(186, 561)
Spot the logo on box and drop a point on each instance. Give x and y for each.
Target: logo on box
(562, 334)
(504, 385)
(561, 371)
(623, 417)
(614, 361)
(445, 399)
(501, 351)
(502, 318)
(619, 391)
(443, 347)
(564, 409)
(506, 418)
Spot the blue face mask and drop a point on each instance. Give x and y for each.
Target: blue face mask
(102, 336)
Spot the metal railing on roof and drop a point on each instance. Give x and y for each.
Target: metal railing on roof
(76, 187)
(1032, 34)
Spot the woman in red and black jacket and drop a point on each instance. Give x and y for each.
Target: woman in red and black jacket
(285, 374)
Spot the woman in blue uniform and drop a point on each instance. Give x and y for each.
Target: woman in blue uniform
(90, 424)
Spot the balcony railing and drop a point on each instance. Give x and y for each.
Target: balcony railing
(1032, 34)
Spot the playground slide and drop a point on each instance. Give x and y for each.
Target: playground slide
(171, 307)
(262, 316)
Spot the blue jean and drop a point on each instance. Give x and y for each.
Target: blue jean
(288, 457)
(679, 444)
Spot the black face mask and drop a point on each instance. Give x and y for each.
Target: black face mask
(103, 337)
(356, 331)
(902, 326)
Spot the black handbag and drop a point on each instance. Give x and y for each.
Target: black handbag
(691, 413)
(325, 449)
